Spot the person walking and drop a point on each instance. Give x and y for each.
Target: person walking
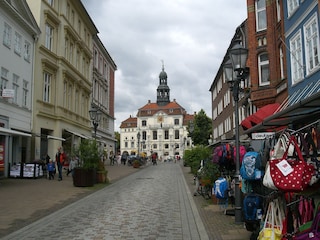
(60, 158)
(73, 163)
(51, 169)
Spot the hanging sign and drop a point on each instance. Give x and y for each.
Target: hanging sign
(262, 135)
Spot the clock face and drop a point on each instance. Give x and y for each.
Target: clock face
(160, 118)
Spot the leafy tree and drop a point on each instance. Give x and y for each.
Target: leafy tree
(194, 156)
(193, 159)
(117, 137)
(200, 129)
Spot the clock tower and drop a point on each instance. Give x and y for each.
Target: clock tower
(163, 91)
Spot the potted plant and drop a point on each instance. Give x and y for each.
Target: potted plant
(101, 173)
(89, 157)
(136, 164)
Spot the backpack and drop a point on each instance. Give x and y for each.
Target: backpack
(242, 152)
(252, 207)
(251, 166)
(220, 188)
(217, 154)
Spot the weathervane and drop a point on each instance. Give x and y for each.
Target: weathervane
(162, 65)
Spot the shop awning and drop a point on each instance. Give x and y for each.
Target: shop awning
(55, 138)
(8, 131)
(260, 115)
(302, 107)
(77, 134)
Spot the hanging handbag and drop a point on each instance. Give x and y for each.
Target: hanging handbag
(267, 179)
(291, 175)
(272, 226)
(277, 151)
(311, 233)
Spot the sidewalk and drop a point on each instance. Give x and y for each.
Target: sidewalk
(218, 225)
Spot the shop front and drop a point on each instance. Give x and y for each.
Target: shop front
(15, 148)
(290, 162)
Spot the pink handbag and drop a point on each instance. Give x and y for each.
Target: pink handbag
(291, 175)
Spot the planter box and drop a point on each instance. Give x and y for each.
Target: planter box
(101, 177)
(84, 177)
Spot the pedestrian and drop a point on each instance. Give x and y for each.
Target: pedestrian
(60, 158)
(51, 169)
(46, 158)
(73, 163)
(197, 179)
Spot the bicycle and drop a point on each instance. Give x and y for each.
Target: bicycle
(205, 189)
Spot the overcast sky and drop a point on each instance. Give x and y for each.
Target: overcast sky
(191, 37)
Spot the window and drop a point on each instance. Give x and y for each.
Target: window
(296, 58)
(176, 134)
(15, 87)
(50, 2)
(46, 86)
(311, 33)
(261, 16)
(278, 11)
(292, 6)
(166, 134)
(263, 62)
(76, 101)
(27, 51)
(7, 35)
(95, 59)
(281, 63)
(71, 53)
(226, 99)
(144, 135)
(25, 94)
(49, 37)
(17, 43)
(144, 123)
(65, 96)
(69, 97)
(154, 135)
(176, 122)
(4, 79)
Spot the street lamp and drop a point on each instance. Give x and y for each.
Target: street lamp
(138, 136)
(95, 116)
(235, 72)
(191, 129)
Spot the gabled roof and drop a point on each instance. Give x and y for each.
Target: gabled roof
(20, 10)
(172, 108)
(130, 122)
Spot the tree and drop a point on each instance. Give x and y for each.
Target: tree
(117, 137)
(200, 129)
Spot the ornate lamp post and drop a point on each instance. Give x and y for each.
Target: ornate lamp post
(138, 137)
(95, 116)
(235, 71)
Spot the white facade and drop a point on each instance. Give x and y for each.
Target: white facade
(161, 131)
(18, 31)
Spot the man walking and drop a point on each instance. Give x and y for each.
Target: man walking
(60, 158)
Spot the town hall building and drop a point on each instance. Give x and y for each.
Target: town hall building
(159, 127)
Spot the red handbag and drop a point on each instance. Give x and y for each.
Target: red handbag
(291, 175)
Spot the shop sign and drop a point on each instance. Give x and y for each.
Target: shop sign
(8, 93)
(262, 135)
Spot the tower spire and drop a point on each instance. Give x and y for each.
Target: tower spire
(163, 91)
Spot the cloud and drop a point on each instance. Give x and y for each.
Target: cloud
(191, 37)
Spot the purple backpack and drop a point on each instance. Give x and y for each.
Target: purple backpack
(217, 154)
